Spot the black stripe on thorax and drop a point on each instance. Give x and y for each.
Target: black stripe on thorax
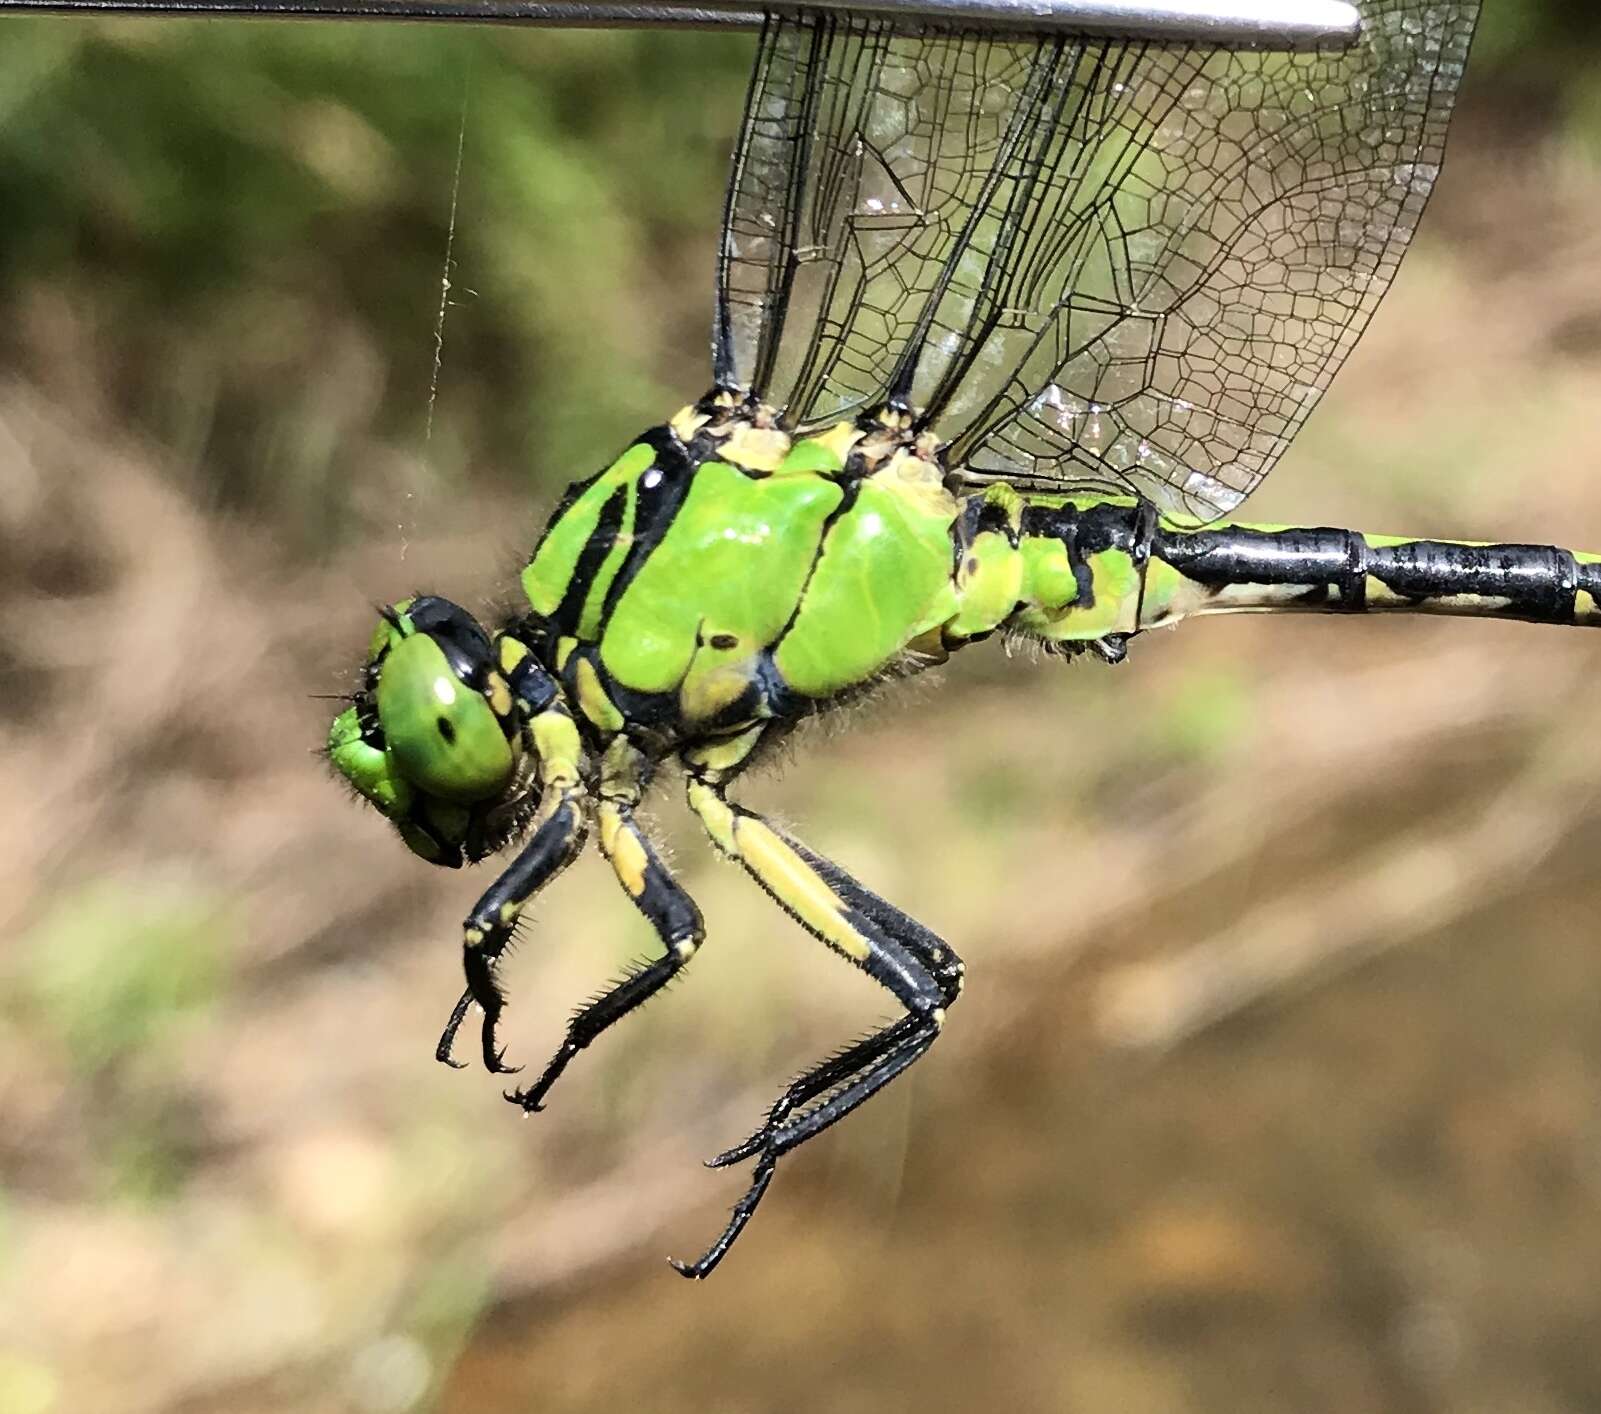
(851, 489)
(655, 716)
(658, 493)
(590, 559)
(658, 500)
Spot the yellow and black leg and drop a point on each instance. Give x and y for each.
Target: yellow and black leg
(896, 951)
(657, 895)
(558, 836)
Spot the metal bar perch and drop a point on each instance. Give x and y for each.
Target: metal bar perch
(1270, 24)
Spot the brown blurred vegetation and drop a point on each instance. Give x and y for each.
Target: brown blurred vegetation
(1278, 1083)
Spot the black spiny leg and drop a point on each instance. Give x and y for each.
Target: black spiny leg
(447, 1037)
(820, 1079)
(919, 970)
(558, 837)
(668, 909)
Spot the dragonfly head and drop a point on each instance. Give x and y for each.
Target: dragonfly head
(423, 741)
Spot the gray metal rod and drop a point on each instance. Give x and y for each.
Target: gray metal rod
(548, 14)
(1268, 24)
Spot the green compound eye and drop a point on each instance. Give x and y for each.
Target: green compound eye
(366, 767)
(442, 735)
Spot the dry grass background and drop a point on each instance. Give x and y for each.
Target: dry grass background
(1277, 1085)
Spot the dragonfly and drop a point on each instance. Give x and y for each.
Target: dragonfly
(1006, 328)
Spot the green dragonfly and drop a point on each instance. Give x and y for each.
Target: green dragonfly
(1005, 327)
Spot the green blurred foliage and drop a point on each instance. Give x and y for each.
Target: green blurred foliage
(115, 977)
(1199, 725)
(1543, 32)
(249, 222)
(1541, 59)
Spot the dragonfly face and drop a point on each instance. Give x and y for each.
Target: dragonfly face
(433, 739)
(1004, 325)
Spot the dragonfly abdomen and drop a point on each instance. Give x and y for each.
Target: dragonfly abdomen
(1099, 568)
(1245, 568)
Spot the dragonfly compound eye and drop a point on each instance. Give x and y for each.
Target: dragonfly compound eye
(441, 734)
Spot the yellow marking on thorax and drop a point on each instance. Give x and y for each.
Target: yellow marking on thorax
(687, 421)
(707, 690)
(592, 699)
(512, 652)
(724, 753)
(919, 480)
(499, 695)
(840, 439)
(755, 448)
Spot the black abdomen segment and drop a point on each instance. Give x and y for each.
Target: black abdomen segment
(1243, 568)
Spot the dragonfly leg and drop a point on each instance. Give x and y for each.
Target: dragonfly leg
(559, 831)
(667, 908)
(914, 965)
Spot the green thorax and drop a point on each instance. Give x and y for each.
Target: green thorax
(719, 561)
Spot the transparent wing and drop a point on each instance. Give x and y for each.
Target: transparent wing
(1092, 264)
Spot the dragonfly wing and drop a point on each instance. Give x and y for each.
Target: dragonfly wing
(864, 155)
(1095, 264)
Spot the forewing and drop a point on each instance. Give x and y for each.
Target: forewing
(1097, 265)
(863, 156)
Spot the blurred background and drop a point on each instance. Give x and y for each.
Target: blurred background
(1277, 1084)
